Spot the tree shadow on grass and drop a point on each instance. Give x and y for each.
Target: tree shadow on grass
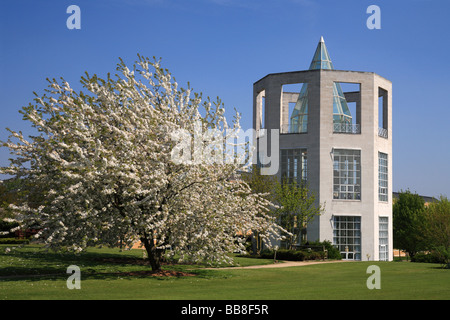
(57, 275)
(37, 265)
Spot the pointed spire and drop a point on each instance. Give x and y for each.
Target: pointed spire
(341, 112)
(321, 59)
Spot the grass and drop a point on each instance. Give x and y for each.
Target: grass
(30, 273)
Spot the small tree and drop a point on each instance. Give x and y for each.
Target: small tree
(265, 186)
(132, 158)
(436, 229)
(408, 220)
(297, 208)
(295, 205)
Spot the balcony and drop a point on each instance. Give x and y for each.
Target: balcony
(346, 128)
(383, 133)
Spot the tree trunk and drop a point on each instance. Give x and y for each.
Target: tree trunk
(154, 254)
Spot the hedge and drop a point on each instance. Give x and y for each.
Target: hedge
(431, 257)
(13, 241)
(6, 227)
(303, 255)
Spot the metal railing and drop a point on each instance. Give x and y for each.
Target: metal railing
(382, 132)
(346, 128)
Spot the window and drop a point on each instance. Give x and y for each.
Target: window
(294, 108)
(261, 108)
(294, 163)
(383, 239)
(382, 176)
(299, 115)
(347, 236)
(382, 113)
(347, 174)
(346, 107)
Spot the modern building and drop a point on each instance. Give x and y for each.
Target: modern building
(335, 134)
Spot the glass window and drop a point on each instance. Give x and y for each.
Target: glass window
(382, 176)
(383, 238)
(294, 165)
(347, 174)
(347, 236)
(299, 116)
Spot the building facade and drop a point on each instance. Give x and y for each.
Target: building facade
(335, 135)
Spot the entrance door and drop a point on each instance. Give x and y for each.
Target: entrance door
(347, 236)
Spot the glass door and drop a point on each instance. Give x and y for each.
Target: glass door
(347, 236)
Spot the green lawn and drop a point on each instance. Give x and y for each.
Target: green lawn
(30, 273)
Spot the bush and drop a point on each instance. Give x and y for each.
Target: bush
(13, 241)
(431, 257)
(314, 253)
(332, 251)
(6, 226)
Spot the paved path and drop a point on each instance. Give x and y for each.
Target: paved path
(282, 264)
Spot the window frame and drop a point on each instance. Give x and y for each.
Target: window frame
(347, 174)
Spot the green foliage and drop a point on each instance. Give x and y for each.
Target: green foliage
(293, 255)
(13, 241)
(297, 209)
(313, 251)
(262, 184)
(296, 204)
(332, 251)
(408, 222)
(436, 256)
(6, 227)
(436, 231)
(9, 193)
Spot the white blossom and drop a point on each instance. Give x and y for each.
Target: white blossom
(102, 168)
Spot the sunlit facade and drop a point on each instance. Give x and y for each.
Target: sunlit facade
(336, 138)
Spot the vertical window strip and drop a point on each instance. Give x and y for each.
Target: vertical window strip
(383, 238)
(294, 165)
(382, 176)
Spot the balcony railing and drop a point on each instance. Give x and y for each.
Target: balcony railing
(382, 132)
(346, 128)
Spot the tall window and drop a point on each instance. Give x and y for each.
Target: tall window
(347, 236)
(294, 163)
(383, 238)
(347, 174)
(299, 115)
(382, 176)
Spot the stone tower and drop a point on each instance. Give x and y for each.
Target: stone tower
(335, 135)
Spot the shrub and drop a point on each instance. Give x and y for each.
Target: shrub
(13, 241)
(332, 251)
(266, 254)
(431, 257)
(5, 227)
(300, 255)
(314, 253)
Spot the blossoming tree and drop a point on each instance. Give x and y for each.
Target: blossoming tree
(107, 168)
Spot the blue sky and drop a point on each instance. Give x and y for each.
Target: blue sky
(223, 46)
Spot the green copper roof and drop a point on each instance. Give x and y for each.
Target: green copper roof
(299, 116)
(341, 112)
(321, 59)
